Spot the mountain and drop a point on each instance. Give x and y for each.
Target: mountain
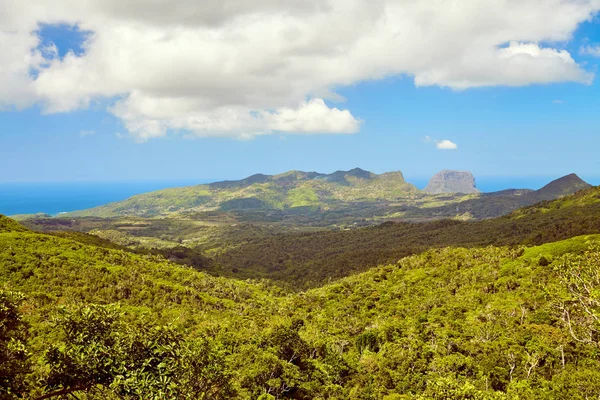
(308, 259)
(451, 182)
(490, 205)
(564, 186)
(290, 190)
(299, 200)
(450, 323)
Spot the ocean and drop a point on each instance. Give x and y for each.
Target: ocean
(56, 197)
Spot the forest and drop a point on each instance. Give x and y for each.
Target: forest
(90, 321)
(299, 258)
(184, 212)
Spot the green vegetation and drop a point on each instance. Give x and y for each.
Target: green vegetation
(10, 225)
(14, 357)
(304, 260)
(303, 257)
(25, 217)
(490, 205)
(278, 192)
(302, 196)
(339, 199)
(450, 323)
(103, 309)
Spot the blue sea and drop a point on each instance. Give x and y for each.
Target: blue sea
(56, 197)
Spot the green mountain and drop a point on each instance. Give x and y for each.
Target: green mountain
(490, 205)
(564, 186)
(342, 198)
(308, 259)
(451, 323)
(302, 257)
(294, 189)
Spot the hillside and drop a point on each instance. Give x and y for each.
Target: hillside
(10, 225)
(341, 199)
(448, 324)
(299, 257)
(494, 204)
(307, 259)
(294, 189)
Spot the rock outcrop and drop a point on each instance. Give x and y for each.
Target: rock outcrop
(452, 182)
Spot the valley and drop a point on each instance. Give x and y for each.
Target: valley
(281, 303)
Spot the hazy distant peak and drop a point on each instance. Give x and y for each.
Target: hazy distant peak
(448, 181)
(563, 186)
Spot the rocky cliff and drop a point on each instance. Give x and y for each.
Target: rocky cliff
(451, 182)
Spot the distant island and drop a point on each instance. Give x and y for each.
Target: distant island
(342, 196)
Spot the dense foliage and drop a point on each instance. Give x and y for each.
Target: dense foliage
(451, 323)
(14, 357)
(308, 259)
(301, 257)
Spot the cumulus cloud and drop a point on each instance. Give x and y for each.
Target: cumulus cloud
(240, 69)
(441, 144)
(446, 145)
(312, 117)
(590, 50)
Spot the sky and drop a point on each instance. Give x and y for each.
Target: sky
(222, 89)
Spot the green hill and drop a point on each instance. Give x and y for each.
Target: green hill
(301, 257)
(490, 205)
(10, 225)
(311, 199)
(290, 190)
(307, 259)
(452, 323)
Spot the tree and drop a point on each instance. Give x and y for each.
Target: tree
(100, 352)
(14, 356)
(578, 297)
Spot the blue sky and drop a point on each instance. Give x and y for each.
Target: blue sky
(543, 129)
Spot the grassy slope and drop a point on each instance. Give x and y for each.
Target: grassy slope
(448, 317)
(54, 270)
(293, 189)
(10, 225)
(308, 259)
(359, 193)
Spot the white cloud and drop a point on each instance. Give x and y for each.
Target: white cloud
(312, 117)
(590, 50)
(237, 68)
(558, 101)
(86, 133)
(445, 145)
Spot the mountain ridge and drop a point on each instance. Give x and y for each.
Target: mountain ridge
(345, 196)
(493, 204)
(297, 175)
(292, 189)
